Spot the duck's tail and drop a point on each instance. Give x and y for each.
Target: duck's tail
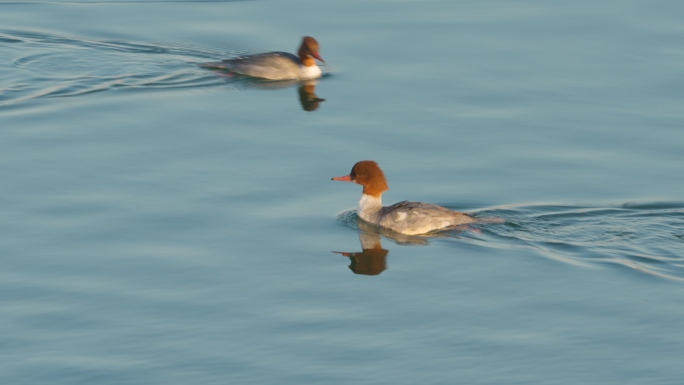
(213, 64)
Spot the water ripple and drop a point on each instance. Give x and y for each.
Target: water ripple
(647, 237)
(39, 65)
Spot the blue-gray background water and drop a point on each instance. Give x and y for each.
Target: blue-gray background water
(165, 224)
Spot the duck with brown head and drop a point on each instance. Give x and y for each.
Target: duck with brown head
(405, 217)
(276, 65)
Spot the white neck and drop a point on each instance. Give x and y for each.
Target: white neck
(369, 208)
(309, 72)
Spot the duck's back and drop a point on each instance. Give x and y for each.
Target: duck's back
(420, 218)
(269, 65)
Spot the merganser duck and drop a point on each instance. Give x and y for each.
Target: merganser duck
(276, 65)
(411, 218)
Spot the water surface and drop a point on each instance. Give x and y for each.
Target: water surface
(166, 224)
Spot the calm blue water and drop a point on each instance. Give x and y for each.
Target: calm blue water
(163, 224)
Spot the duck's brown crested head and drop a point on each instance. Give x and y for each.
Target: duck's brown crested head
(368, 174)
(308, 49)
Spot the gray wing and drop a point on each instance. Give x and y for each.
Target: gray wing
(270, 65)
(417, 215)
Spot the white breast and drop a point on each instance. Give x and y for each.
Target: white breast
(369, 208)
(309, 72)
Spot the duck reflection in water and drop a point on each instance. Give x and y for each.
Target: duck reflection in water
(306, 91)
(372, 259)
(307, 96)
